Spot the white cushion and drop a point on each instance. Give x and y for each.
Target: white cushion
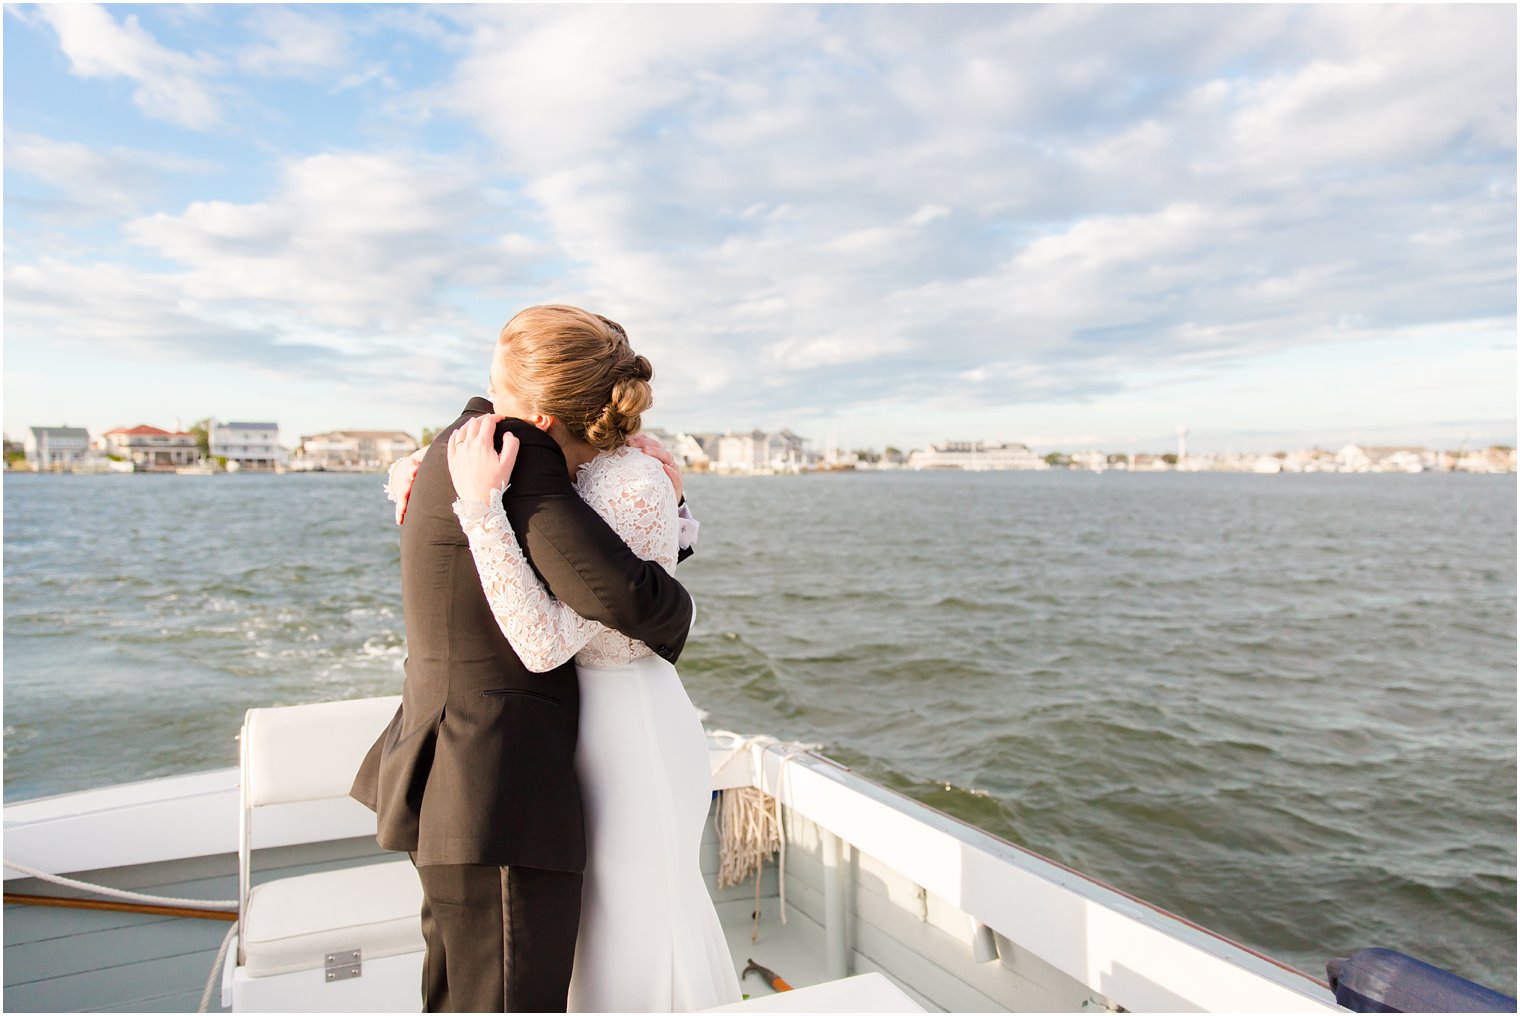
(293, 923)
(310, 752)
(862, 993)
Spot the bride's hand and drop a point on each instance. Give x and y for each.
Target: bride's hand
(403, 475)
(649, 446)
(474, 464)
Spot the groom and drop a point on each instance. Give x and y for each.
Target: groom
(475, 776)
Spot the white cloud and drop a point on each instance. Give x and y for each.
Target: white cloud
(555, 86)
(348, 241)
(294, 44)
(794, 208)
(170, 85)
(89, 181)
(927, 214)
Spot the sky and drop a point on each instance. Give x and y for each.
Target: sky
(1071, 226)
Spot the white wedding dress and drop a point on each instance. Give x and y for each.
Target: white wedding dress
(649, 938)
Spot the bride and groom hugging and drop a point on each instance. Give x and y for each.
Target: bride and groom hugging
(546, 771)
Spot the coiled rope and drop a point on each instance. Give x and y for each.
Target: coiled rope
(750, 826)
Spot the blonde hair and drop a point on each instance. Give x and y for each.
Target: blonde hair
(578, 367)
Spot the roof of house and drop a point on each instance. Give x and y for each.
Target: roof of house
(144, 430)
(251, 426)
(61, 432)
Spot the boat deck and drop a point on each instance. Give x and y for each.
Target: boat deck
(102, 961)
(957, 919)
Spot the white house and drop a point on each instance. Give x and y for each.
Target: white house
(354, 450)
(62, 447)
(692, 450)
(1353, 459)
(1091, 459)
(759, 451)
(250, 445)
(741, 453)
(976, 456)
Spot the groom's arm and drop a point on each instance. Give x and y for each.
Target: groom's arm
(581, 559)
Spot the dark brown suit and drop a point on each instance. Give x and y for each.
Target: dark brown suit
(478, 765)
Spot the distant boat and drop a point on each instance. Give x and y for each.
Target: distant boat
(201, 468)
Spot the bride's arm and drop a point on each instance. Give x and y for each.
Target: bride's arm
(639, 503)
(543, 631)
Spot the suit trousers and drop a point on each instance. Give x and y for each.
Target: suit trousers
(499, 939)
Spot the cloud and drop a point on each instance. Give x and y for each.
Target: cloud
(1137, 203)
(802, 210)
(86, 182)
(170, 85)
(355, 242)
(294, 44)
(352, 270)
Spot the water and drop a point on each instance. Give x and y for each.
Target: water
(1280, 706)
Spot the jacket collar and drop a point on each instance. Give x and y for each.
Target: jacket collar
(479, 406)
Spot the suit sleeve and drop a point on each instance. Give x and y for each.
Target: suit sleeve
(581, 559)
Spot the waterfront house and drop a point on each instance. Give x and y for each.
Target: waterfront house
(1494, 459)
(1353, 459)
(353, 450)
(1091, 459)
(759, 451)
(689, 450)
(250, 445)
(1400, 460)
(693, 450)
(57, 447)
(977, 456)
(150, 448)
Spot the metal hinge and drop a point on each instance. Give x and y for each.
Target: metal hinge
(344, 965)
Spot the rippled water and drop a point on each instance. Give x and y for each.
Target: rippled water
(1280, 706)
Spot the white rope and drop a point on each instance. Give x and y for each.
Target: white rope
(216, 968)
(168, 901)
(750, 824)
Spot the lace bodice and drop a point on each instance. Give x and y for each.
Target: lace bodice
(627, 488)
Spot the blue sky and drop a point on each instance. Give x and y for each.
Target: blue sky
(1072, 226)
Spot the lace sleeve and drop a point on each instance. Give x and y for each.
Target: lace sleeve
(634, 496)
(543, 631)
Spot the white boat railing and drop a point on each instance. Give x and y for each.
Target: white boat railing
(1137, 955)
(1132, 953)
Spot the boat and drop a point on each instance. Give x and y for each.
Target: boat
(279, 898)
(202, 468)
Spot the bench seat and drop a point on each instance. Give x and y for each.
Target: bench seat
(295, 923)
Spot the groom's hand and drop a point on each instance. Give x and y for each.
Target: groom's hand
(649, 446)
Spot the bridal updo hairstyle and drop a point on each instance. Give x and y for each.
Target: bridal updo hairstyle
(577, 367)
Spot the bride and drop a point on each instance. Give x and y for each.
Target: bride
(649, 938)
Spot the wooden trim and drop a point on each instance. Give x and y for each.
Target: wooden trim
(130, 908)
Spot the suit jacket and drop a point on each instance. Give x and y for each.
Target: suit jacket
(478, 765)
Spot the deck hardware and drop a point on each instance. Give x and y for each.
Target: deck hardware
(833, 762)
(984, 947)
(345, 965)
(923, 904)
